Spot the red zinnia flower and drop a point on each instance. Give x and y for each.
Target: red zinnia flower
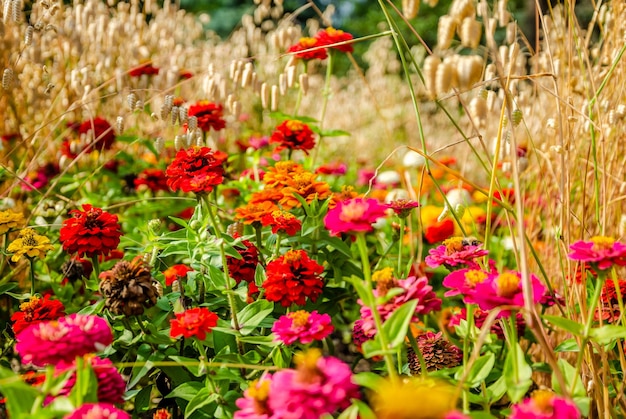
(35, 311)
(90, 232)
(196, 169)
(456, 251)
(330, 36)
(305, 44)
(146, 68)
(154, 179)
(175, 273)
(282, 222)
(99, 132)
(292, 278)
(244, 269)
(293, 135)
(193, 322)
(609, 310)
(438, 231)
(209, 115)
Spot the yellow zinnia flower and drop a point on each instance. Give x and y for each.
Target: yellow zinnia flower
(10, 220)
(413, 398)
(30, 244)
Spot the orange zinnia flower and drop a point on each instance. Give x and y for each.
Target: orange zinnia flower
(254, 212)
(282, 173)
(305, 185)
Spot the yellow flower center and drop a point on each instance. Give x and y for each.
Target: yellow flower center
(307, 43)
(30, 305)
(453, 244)
(602, 242)
(543, 400)
(283, 214)
(296, 125)
(299, 318)
(384, 274)
(292, 256)
(260, 392)
(306, 364)
(474, 276)
(352, 211)
(508, 284)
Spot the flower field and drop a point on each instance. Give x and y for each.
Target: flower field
(273, 225)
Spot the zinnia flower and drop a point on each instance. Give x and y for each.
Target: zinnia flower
(29, 244)
(292, 278)
(196, 169)
(243, 269)
(193, 322)
(111, 385)
(438, 353)
(253, 212)
(403, 207)
(90, 232)
(293, 135)
(62, 340)
(479, 320)
(399, 399)
(209, 115)
(253, 404)
(302, 326)
(10, 220)
(145, 68)
(414, 289)
(456, 251)
(544, 404)
(354, 215)
(464, 281)
(41, 177)
(601, 252)
(331, 36)
(609, 310)
(176, 273)
(153, 179)
(36, 311)
(98, 132)
(505, 289)
(98, 411)
(128, 287)
(318, 386)
(282, 222)
(307, 43)
(306, 186)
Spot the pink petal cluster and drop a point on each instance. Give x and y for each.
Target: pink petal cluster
(545, 405)
(111, 385)
(62, 340)
(463, 282)
(601, 252)
(454, 252)
(414, 289)
(505, 289)
(98, 411)
(302, 326)
(354, 215)
(319, 386)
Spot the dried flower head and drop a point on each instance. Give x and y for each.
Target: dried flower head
(128, 287)
(438, 353)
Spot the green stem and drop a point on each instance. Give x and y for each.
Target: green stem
(469, 318)
(214, 223)
(31, 274)
(400, 243)
(418, 353)
(259, 240)
(96, 266)
(277, 249)
(141, 326)
(367, 280)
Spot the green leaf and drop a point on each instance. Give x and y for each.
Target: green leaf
(144, 363)
(191, 364)
(86, 388)
(496, 390)
(579, 394)
(568, 325)
(186, 391)
(283, 117)
(368, 380)
(568, 345)
(142, 400)
(7, 287)
(253, 314)
(517, 373)
(479, 371)
(19, 396)
(358, 409)
(260, 340)
(334, 133)
(607, 334)
(396, 326)
(203, 398)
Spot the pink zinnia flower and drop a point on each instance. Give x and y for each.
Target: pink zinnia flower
(456, 251)
(601, 252)
(456, 415)
(505, 289)
(318, 386)
(111, 385)
(63, 340)
(354, 215)
(98, 411)
(302, 326)
(414, 289)
(544, 404)
(464, 282)
(253, 404)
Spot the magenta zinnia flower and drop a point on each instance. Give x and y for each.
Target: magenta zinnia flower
(98, 411)
(601, 252)
(464, 282)
(318, 386)
(544, 404)
(253, 404)
(455, 251)
(354, 215)
(302, 326)
(505, 289)
(111, 385)
(414, 289)
(63, 340)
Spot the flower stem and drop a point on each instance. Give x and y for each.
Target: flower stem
(367, 280)
(400, 242)
(96, 266)
(418, 353)
(31, 274)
